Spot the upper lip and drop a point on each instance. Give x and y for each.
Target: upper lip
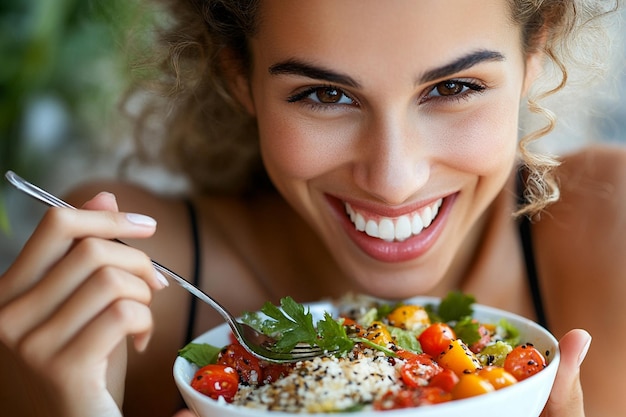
(389, 211)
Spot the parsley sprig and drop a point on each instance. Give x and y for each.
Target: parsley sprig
(292, 324)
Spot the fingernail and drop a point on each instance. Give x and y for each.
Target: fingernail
(140, 219)
(583, 353)
(161, 278)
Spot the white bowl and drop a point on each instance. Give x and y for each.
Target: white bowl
(523, 399)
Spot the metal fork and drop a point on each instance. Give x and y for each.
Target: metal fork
(258, 344)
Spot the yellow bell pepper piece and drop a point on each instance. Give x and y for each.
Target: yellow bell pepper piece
(409, 317)
(471, 385)
(458, 358)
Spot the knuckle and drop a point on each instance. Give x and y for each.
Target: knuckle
(135, 316)
(124, 310)
(32, 351)
(58, 219)
(90, 248)
(109, 278)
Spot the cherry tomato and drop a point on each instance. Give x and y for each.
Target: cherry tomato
(271, 372)
(247, 366)
(411, 397)
(436, 338)
(417, 371)
(216, 381)
(446, 380)
(524, 361)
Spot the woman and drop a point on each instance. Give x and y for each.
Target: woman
(402, 113)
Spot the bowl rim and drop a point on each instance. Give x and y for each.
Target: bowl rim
(549, 372)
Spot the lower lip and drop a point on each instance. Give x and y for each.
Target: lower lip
(394, 252)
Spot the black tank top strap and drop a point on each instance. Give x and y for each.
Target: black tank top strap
(532, 275)
(196, 268)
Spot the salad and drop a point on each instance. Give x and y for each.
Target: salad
(386, 356)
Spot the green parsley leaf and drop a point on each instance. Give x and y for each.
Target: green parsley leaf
(455, 306)
(292, 324)
(466, 329)
(200, 354)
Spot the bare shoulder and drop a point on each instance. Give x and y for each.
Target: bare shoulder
(580, 246)
(579, 241)
(593, 194)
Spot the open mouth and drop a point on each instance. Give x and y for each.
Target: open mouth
(396, 229)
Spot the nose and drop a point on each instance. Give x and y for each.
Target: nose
(392, 164)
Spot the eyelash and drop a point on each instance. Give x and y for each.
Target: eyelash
(302, 95)
(469, 88)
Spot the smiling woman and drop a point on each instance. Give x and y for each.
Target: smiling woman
(333, 147)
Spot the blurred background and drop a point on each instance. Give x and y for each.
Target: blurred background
(64, 67)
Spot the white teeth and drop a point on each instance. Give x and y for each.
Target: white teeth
(386, 230)
(371, 228)
(398, 228)
(403, 228)
(427, 216)
(359, 221)
(417, 225)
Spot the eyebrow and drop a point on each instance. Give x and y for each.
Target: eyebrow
(462, 63)
(300, 68)
(296, 67)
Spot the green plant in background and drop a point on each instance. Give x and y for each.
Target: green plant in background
(63, 66)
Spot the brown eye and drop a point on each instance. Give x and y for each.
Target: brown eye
(329, 95)
(449, 88)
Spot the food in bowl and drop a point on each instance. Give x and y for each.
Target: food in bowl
(393, 356)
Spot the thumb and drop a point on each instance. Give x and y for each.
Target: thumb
(566, 398)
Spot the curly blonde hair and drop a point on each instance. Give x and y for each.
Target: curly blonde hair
(208, 137)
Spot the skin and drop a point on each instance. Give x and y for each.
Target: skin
(388, 148)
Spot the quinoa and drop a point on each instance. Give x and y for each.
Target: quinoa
(327, 384)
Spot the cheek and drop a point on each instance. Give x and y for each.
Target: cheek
(484, 140)
(298, 150)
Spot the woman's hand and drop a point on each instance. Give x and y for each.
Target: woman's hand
(566, 399)
(68, 303)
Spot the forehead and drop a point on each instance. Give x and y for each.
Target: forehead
(393, 33)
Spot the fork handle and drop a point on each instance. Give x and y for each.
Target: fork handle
(53, 201)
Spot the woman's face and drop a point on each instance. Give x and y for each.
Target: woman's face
(389, 126)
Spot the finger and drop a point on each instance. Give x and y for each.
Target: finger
(55, 236)
(566, 399)
(85, 357)
(85, 260)
(106, 287)
(102, 201)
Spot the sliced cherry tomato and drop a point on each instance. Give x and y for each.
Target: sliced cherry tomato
(247, 366)
(524, 361)
(436, 338)
(446, 380)
(274, 371)
(418, 370)
(216, 381)
(411, 397)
